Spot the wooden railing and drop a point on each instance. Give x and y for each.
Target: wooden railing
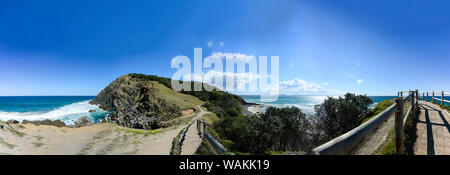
(345, 143)
(400, 119)
(203, 131)
(434, 98)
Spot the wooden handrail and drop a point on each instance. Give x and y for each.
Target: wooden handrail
(400, 120)
(441, 100)
(345, 143)
(217, 146)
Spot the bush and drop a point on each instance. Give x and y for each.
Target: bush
(230, 145)
(336, 116)
(282, 129)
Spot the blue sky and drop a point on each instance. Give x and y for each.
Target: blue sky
(77, 48)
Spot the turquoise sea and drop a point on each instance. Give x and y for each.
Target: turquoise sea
(66, 108)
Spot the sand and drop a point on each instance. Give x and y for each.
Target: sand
(251, 109)
(97, 139)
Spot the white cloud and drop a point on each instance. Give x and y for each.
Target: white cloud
(240, 79)
(237, 56)
(359, 81)
(221, 44)
(210, 44)
(302, 87)
(291, 87)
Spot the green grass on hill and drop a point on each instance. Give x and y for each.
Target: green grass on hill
(210, 118)
(378, 109)
(181, 100)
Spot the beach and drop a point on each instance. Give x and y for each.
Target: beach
(252, 109)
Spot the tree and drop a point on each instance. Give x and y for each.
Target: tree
(336, 116)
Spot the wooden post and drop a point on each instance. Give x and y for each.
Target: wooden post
(204, 128)
(432, 98)
(401, 95)
(413, 103)
(198, 128)
(398, 126)
(410, 98)
(442, 98)
(423, 95)
(417, 95)
(427, 97)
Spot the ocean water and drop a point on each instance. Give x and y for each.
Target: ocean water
(305, 103)
(66, 108)
(438, 101)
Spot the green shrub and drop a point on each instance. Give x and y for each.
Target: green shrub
(378, 109)
(336, 116)
(230, 145)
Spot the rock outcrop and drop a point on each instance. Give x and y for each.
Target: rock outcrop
(57, 123)
(82, 121)
(136, 103)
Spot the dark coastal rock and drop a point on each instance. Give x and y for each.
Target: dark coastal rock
(57, 123)
(136, 103)
(91, 110)
(12, 121)
(82, 121)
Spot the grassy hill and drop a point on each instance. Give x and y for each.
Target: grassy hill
(181, 100)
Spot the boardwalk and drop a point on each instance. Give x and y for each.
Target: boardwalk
(433, 130)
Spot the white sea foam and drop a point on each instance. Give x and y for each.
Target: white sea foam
(68, 114)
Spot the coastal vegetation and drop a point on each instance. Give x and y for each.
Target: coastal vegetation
(138, 104)
(223, 104)
(277, 131)
(281, 130)
(183, 101)
(336, 116)
(383, 105)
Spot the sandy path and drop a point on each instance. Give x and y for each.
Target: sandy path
(98, 139)
(46, 140)
(373, 141)
(192, 139)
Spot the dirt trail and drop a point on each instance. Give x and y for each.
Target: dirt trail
(192, 139)
(371, 143)
(105, 138)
